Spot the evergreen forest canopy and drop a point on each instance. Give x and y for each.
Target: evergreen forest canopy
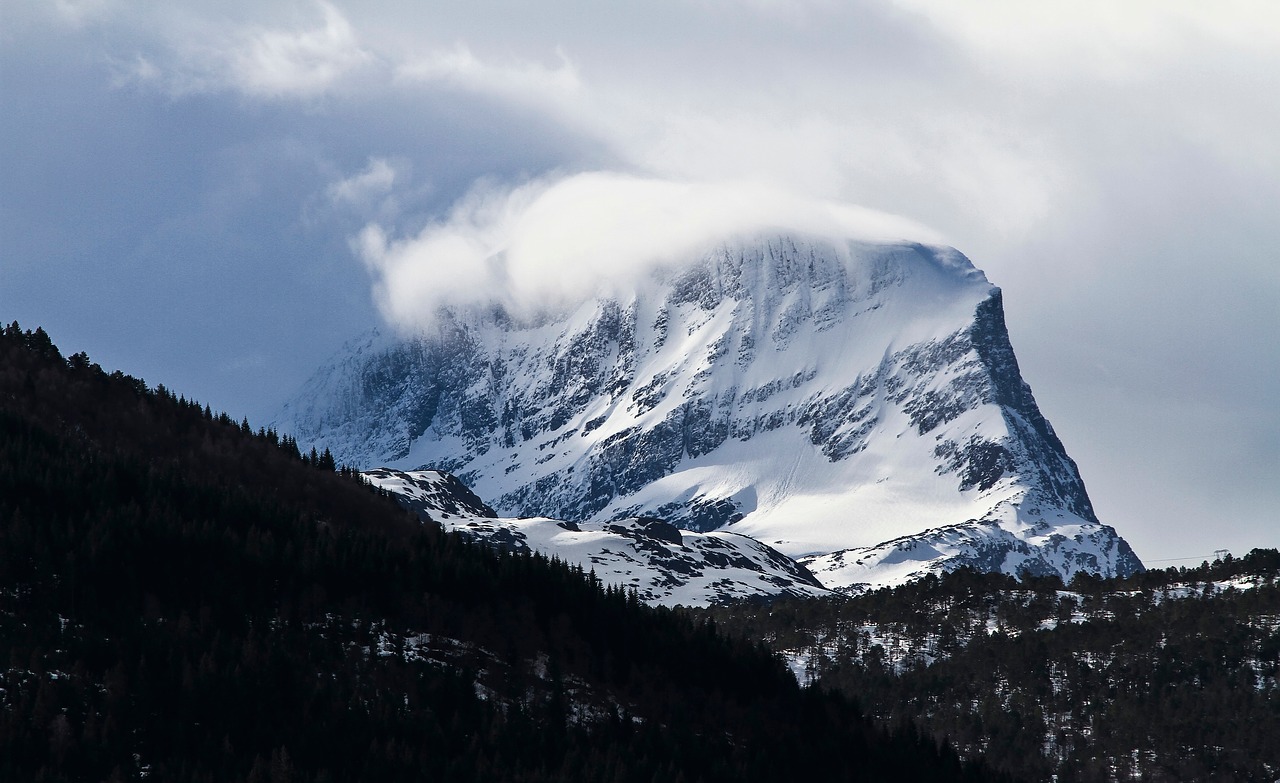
(185, 599)
(1168, 675)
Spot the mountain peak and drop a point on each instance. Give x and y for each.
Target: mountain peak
(823, 397)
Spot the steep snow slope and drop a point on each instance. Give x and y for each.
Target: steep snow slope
(858, 404)
(664, 565)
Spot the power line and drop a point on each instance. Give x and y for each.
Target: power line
(1214, 556)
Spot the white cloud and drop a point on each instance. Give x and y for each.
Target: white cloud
(525, 82)
(362, 189)
(276, 63)
(190, 54)
(552, 242)
(1126, 40)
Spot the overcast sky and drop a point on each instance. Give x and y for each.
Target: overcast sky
(217, 195)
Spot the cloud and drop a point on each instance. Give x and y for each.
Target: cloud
(275, 63)
(525, 82)
(185, 51)
(1123, 41)
(362, 189)
(191, 54)
(552, 242)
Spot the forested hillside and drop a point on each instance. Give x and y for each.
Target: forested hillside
(183, 599)
(1168, 675)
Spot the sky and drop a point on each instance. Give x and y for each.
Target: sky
(216, 196)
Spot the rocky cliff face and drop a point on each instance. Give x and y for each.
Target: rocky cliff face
(835, 400)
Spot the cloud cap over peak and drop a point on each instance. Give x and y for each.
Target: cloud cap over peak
(553, 242)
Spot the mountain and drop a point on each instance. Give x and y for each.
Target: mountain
(662, 564)
(183, 599)
(854, 405)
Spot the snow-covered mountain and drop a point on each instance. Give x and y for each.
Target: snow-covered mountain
(852, 404)
(663, 564)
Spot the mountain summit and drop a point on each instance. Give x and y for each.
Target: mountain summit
(854, 405)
